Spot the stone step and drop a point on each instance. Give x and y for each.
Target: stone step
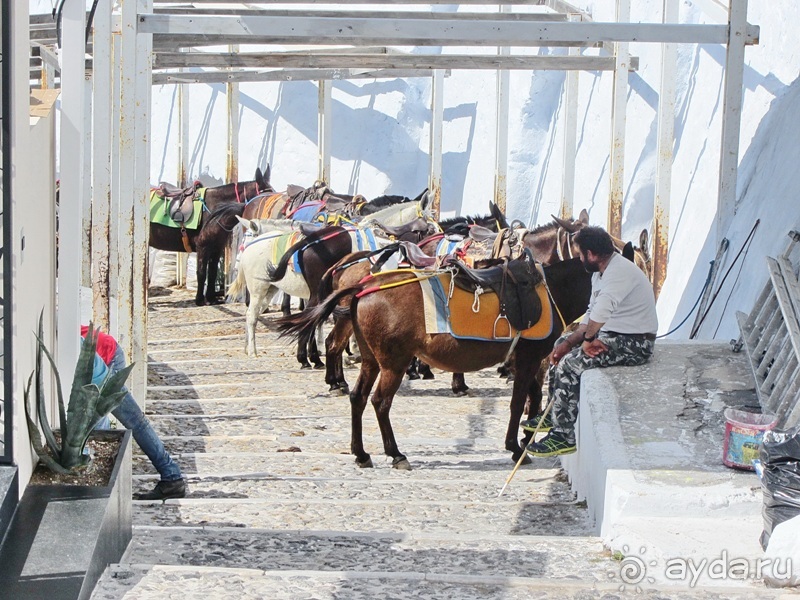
(164, 582)
(280, 404)
(490, 554)
(491, 468)
(404, 426)
(397, 489)
(446, 516)
(335, 443)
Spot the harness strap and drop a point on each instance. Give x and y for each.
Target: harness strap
(185, 239)
(549, 295)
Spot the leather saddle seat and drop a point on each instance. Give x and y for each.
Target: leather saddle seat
(180, 200)
(514, 282)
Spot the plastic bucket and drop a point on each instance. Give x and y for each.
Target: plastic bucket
(743, 433)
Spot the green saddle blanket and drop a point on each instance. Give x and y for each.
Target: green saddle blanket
(159, 211)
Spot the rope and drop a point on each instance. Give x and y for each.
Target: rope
(746, 244)
(691, 310)
(733, 287)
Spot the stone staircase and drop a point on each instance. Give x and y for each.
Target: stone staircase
(278, 509)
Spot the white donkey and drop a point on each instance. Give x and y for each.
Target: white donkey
(264, 250)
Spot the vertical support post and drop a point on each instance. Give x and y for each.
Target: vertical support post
(73, 66)
(619, 106)
(666, 142)
(731, 115)
(48, 76)
(437, 112)
(127, 182)
(183, 161)
(141, 226)
(324, 129)
(86, 195)
(232, 166)
(101, 167)
(501, 128)
(116, 128)
(570, 136)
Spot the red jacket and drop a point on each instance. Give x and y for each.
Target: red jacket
(106, 345)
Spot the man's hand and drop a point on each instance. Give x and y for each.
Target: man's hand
(559, 352)
(593, 348)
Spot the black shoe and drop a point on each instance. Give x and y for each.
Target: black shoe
(164, 490)
(532, 424)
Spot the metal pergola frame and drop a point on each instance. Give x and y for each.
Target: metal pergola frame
(121, 158)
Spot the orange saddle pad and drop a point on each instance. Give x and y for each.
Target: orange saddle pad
(477, 319)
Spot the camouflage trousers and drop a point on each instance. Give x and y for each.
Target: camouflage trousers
(565, 377)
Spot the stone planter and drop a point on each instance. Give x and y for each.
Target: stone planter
(62, 537)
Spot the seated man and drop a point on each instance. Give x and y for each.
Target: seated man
(110, 357)
(619, 328)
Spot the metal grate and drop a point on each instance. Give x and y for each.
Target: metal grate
(771, 338)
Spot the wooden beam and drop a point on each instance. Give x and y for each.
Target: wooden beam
(488, 31)
(280, 75)
(363, 14)
(307, 60)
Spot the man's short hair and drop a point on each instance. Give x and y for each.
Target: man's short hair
(595, 239)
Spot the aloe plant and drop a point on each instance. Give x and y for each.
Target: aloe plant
(88, 404)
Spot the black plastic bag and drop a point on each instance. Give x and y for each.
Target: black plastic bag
(780, 460)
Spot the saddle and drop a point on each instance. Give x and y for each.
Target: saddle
(180, 201)
(514, 282)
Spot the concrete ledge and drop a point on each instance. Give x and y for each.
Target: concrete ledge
(9, 496)
(649, 459)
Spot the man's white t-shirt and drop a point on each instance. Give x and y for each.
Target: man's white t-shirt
(622, 299)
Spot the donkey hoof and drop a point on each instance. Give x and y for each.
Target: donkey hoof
(459, 393)
(305, 366)
(365, 464)
(525, 461)
(319, 365)
(401, 463)
(428, 375)
(213, 301)
(200, 301)
(344, 389)
(413, 376)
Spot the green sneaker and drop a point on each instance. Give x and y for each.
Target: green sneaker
(552, 445)
(530, 424)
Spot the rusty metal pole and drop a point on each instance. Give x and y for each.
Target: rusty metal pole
(437, 110)
(619, 107)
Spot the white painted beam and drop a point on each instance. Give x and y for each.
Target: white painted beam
(232, 96)
(101, 168)
(731, 117)
(665, 145)
(86, 194)
(501, 131)
(619, 107)
(71, 188)
(570, 140)
(288, 75)
(350, 29)
(324, 130)
(437, 112)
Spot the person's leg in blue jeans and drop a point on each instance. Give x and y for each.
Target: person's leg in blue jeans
(131, 417)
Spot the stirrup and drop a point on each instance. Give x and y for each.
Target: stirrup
(494, 328)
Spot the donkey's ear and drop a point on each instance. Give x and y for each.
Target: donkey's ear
(627, 251)
(425, 201)
(644, 242)
(421, 196)
(495, 211)
(571, 226)
(584, 217)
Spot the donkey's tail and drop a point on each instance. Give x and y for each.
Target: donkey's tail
(305, 322)
(277, 272)
(238, 288)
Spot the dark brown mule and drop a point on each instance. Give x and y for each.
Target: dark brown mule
(208, 243)
(390, 329)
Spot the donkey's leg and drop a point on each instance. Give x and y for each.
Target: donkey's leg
(313, 349)
(286, 305)
(524, 365)
(413, 369)
(424, 369)
(199, 300)
(211, 281)
(358, 402)
(459, 384)
(303, 340)
(257, 301)
(335, 344)
(387, 387)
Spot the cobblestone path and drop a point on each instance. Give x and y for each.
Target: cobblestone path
(277, 508)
